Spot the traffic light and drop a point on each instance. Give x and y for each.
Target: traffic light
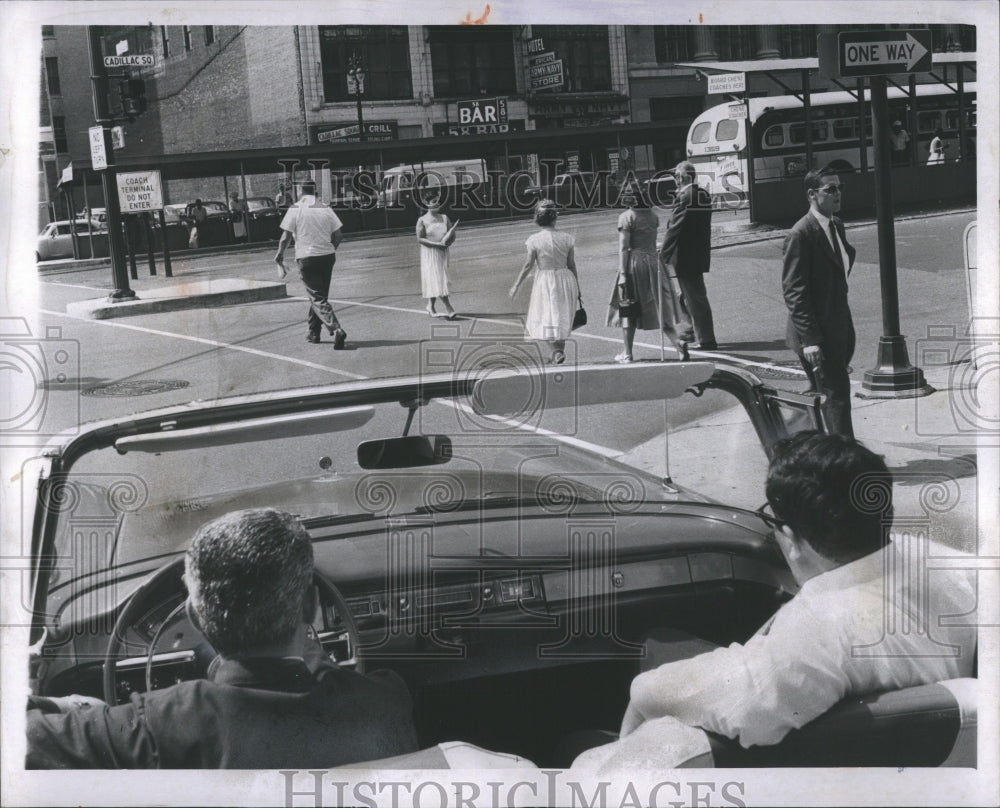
(133, 97)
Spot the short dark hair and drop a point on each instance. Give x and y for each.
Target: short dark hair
(546, 213)
(247, 574)
(812, 177)
(685, 168)
(835, 493)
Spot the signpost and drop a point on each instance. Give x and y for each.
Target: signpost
(880, 53)
(876, 54)
(98, 152)
(727, 83)
(140, 191)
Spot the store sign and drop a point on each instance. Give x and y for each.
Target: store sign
(459, 130)
(482, 111)
(569, 107)
(547, 76)
(140, 191)
(374, 131)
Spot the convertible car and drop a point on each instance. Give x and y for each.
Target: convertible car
(471, 535)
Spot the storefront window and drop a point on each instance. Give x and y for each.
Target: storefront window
(472, 60)
(584, 52)
(384, 52)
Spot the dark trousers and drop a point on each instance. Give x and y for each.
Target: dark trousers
(834, 382)
(694, 302)
(316, 271)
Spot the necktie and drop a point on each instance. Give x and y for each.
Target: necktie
(836, 247)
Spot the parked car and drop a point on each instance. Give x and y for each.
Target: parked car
(98, 216)
(56, 240)
(502, 566)
(265, 218)
(579, 190)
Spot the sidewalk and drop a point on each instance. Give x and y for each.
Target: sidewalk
(925, 443)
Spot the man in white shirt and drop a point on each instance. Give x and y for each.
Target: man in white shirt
(318, 232)
(817, 263)
(867, 617)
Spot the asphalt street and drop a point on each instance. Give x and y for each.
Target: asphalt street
(125, 365)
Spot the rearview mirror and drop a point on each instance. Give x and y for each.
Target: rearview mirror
(405, 452)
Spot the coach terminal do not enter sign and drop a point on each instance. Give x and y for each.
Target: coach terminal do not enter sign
(879, 53)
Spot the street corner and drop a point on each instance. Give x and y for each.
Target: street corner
(192, 295)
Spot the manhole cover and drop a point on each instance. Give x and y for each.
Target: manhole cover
(144, 387)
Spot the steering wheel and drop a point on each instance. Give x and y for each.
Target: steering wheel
(167, 585)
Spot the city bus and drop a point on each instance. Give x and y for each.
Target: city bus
(716, 142)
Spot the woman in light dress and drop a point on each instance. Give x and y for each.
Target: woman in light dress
(937, 147)
(555, 291)
(639, 277)
(435, 234)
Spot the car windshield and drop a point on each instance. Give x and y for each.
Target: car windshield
(346, 466)
(260, 203)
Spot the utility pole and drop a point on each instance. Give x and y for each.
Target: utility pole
(116, 243)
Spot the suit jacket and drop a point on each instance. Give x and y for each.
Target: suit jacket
(688, 241)
(815, 290)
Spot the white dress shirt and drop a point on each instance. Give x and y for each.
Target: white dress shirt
(833, 238)
(882, 622)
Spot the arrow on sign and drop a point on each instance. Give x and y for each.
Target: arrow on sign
(868, 53)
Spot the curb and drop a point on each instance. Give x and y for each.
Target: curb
(197, 295)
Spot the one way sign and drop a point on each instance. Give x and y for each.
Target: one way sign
(878, 53)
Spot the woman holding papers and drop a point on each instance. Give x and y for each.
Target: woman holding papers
(435, 234)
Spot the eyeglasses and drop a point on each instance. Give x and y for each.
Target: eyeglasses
(766, 513)
(832, 189)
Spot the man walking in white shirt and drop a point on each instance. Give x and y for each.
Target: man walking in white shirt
(318, 232)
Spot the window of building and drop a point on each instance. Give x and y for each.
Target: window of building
(676, 107)
(672, 43)
(209, 34)
(734, 42)
(165, 41)
(48, 30)
(187, 37)
(585, 54)
(59, 133)
(701, 132)
(471, 60)
(947, 38)
(774, 135)
(52, 74)
(797, 41)
(727, 129)
(384, 52)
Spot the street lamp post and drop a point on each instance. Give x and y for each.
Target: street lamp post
(356, 85)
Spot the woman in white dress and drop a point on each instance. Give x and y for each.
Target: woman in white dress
(435, 234)
(555, 292)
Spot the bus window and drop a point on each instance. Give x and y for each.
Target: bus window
(951, 119)
(797, 132)
(727, 129)
(928, 121)
(774, 135)
(701, 132)
(845, 129)
(970, 118)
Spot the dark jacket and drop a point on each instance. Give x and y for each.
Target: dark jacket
(815, 289)
(688, 241)
(253, 714)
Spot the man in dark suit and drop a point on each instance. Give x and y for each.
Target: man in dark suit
(817, 262)
(687, 246)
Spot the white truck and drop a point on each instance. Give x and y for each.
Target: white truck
(396, 187)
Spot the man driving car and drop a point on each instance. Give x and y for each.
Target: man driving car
(272, 698)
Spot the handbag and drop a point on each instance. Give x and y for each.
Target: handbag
(628, 306)
(580, 318)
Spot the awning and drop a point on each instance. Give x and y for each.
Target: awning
(810, 63)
